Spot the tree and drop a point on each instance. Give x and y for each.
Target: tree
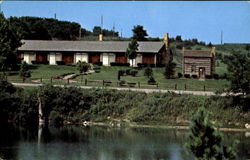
(205, 141)
(131, 52)
(169, 70)
(148, 72)
(24, 71)
(10, 40)
(97, 30)
(178, 38)
(82, 66)
(238, 65)
(139, 33)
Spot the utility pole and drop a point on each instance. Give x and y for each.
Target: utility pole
(55, 15)
(113, 34)
(101, 24)
(221, 41)
(121, 33)
(80, 32)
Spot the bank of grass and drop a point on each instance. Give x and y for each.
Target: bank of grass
(100, 105)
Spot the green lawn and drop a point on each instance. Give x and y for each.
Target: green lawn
(111, 74)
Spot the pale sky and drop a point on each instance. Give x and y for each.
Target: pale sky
(190, 19)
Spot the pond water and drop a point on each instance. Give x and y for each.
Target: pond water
(103, 143)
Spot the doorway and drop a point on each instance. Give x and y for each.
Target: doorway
(202, 72)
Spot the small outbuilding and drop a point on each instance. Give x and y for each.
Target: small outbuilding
(198, 62)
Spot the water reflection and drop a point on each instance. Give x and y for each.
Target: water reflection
(101, 143)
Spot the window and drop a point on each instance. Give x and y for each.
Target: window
(193, 68)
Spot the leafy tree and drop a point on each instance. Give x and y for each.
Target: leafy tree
(178, 38)
(247, 47)
(97, 30)
(10, 40)
(148, 72)
(8, 100)
(131, 52)
(238, 65)
(139, 33)
(82, 66)
(169, 70)
(205, 141)
(24, 71)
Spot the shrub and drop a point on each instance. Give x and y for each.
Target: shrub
(215, 76)
(148, 72)
(128, 71)
(122, 82)
(187, 75)
(194, 76)
(180, 75)
(133, 73)
(142, 65)
(151, 80)
(208, 76)
(40, 62)
(98, 63)
(119, 64)
(160, 65)
(121, 72)
(60, 62)
(224, 76)
(83, 66)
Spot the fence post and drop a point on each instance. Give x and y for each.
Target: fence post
(86, 81)
(68, 80)
(50, 79)
(185, 86)
(139, 84)
(157, 85)
(41, 80)
(102, 82)
(204, 88)
(175, 86)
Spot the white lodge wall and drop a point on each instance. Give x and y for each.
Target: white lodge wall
(28, 57)
(138, 59)
(81, 57)
(107, 58)
(58, 57)
(52, 58)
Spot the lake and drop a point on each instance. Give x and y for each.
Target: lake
(103, 143)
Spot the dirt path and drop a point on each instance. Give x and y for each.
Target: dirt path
(129, 89)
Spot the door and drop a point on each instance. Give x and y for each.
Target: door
(68, 58)
(201, 72)
(94, 58)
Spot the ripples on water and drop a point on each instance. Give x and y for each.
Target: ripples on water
(102, 143)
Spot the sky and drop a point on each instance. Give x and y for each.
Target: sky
(204, 20)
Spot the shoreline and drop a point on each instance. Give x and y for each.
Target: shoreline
(136, 125)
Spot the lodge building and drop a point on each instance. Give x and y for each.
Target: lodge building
(198, 62)
(104, 52)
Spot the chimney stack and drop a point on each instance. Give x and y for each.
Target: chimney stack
(213, 51)
(100, 37)
(166, 40)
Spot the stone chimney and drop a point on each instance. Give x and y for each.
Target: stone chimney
(166, 40)
(213, 51)
(100, 37)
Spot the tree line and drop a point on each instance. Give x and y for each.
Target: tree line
(36, 28)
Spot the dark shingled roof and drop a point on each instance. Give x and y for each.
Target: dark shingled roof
(197, 53)
(87, 46)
